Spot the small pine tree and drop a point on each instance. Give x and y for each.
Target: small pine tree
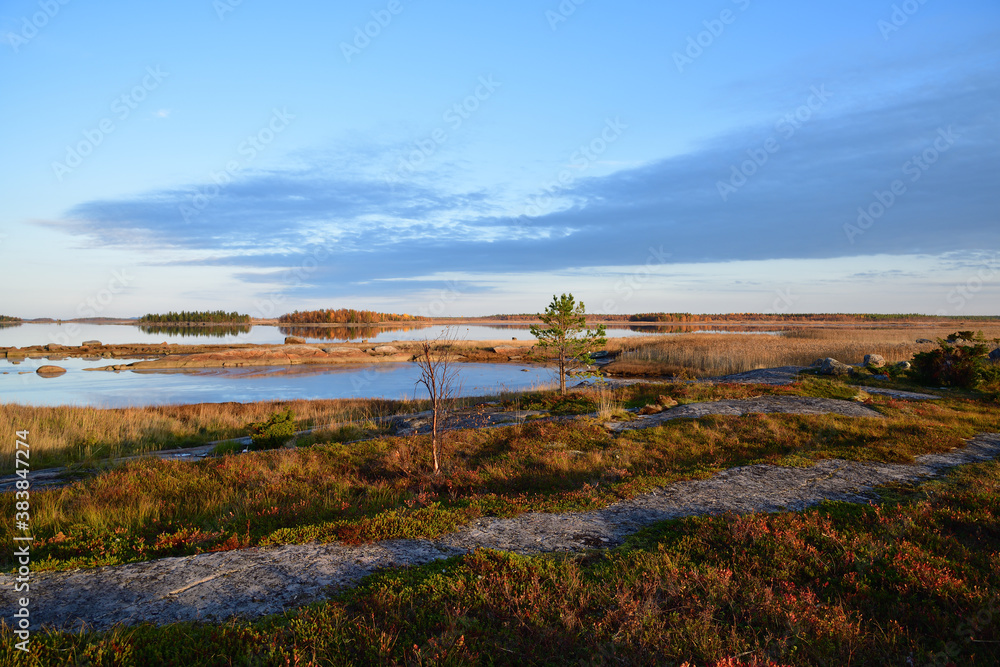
(565, 332)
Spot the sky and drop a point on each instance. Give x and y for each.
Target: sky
(455, 158)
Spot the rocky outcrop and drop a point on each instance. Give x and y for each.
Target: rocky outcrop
(90, 343)
(874, 361)
(294, 340)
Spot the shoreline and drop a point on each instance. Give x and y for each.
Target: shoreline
(176, 355)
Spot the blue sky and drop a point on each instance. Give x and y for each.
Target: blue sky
(446, 158)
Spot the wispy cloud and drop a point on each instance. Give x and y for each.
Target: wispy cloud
(794, 206)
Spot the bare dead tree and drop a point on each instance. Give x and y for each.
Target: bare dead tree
(440, 377)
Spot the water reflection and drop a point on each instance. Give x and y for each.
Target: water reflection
(346, 333)
(210, 330)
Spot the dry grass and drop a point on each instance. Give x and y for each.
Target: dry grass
(64, 434)
(711, 354)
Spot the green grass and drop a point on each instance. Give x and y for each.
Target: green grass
(913, 580)
(381, 488)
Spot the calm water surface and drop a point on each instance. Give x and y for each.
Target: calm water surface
(20, 384)
(72, 333)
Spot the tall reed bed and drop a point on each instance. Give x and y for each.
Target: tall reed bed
(713, 354)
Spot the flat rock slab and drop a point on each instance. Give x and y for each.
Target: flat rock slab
(260, 581)
(899, 393)
(796, 405)
(774, 376)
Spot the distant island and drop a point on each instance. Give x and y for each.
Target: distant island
(195, 317)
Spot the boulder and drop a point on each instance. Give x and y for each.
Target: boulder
(831, 366)
(995, 355)
(666, 401)
(294, 340)
(874, 361)
(903, 365)
(90, 343)
(924, 340)
(55, 346)
(50, 371)
(385, 350)
(650, 410)
(502, 349)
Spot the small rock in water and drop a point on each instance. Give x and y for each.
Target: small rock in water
(50, 371)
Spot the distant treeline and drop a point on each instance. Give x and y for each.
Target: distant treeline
(770, 317)
(199, 316)
(344, 316)
(741, 317)
(533, 317)
(7, 319)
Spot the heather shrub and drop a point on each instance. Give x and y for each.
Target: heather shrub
(961, 360)
(274, 431)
